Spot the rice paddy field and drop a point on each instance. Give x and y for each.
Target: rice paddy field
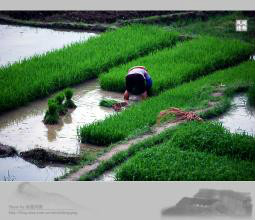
(194, 151)
(41, 75)
(202, 72)
(188, 96)
(187, 61)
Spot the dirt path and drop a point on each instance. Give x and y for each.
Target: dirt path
(155, 130)
(121, 147)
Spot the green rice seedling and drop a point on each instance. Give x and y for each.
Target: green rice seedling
(62, 109)
(169, 163)
(69, 102)
(120, 157)
(42, 75)
(187, 96)
(51, 115)
(107, 102)
(187, 61)
(214, 138)
(209, 137)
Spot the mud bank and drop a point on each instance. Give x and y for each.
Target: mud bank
(6, 151)
(98, 21)
(41, 157)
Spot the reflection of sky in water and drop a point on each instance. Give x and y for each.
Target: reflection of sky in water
(23, 128)
(241, 117)
(18, 42)
(17, 169)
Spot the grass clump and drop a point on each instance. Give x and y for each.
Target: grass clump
(107, 102)
(193, 95)
(42, 75)
(69, 102)
(187, 61)
(168, 163)
(51, 116)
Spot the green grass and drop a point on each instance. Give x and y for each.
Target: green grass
(219, 26)
(209, 137)
(193, 95)
(187, 61)
(123, 155)
(214, 138)
(169, 163)
(41, 75)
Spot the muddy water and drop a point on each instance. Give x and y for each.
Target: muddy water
(241, 117)
(16, 169)
(24, 129)
(19, 42)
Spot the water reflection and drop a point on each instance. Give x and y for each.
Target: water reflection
(19, 42)
(23, 128)
(241, 117)
(17, 169)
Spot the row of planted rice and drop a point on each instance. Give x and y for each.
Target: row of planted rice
(41, 75)
(187, 61)
(195, 151)
(188, 96)
(192, 151)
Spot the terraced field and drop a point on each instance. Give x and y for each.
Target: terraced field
(185, 75)
(195, 151)
(40, 76)
(192, 95)
(187, 61)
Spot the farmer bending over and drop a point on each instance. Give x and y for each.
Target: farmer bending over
(138, 82)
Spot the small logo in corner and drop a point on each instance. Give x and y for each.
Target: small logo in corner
(241, 25)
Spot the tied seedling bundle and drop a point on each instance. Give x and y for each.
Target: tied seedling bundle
(56, 107)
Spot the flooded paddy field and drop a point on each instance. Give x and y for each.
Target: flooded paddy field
(23, 128)
(241, 117)
(19, 42)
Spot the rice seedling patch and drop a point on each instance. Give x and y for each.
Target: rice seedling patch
(187, 61)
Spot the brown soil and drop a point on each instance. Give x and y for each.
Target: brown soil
(6, 151)
(83, 16)
(41, 157)
(97, 21)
